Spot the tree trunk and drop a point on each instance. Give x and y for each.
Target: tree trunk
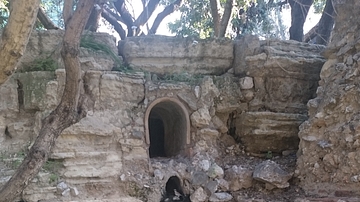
(94, 19)
(16, 35)
(71, 109)
(326, 24)
(226, 17)
(67, 10)
(214, 6)
(299, 11)
(160, 17)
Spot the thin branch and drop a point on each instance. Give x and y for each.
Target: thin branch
(45, 20)
(111, 13)
(160, 17)
(113, 21)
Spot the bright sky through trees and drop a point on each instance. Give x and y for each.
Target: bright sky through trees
(311, 21)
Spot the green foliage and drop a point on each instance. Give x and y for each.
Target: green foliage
(181, 77)
(4, 13)
(53, 167)
(53, 178)
(195, 20)
(41, 64)
(269, 155)
(17, 159)
(53, 9)
(89, 42)
(261, 18)
(319, 5)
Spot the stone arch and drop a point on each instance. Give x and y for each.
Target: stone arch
(167, 127)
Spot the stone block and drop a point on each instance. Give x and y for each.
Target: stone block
(162, 54)
(32, 87)
(268, 131)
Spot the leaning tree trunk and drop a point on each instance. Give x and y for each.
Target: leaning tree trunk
(326, 24)
(71, 109)
(16, 35)
(299, 11)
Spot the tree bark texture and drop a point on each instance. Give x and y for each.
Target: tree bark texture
(160, 17)
(299, 11)
(326, 24)
(94, 19)
(125, 14)
(114, 22)
(71, 109)
(16, 35)
(214, 7)
(226, 17)
(145, 15)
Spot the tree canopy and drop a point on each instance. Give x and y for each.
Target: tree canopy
(210, 18)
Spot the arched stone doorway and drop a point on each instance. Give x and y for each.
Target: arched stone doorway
(167, 127)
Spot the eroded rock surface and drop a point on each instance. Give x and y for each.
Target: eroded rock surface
(328, 161)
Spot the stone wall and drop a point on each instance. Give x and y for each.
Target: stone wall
(203, 93)
(328, 161)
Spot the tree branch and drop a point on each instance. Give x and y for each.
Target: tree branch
(93, 22)
(67, 10)
(299, 11)
(226, 17)
(326, 24)
(125, 14)
(45, 20)
(146, 14)
(114, 15)
(160, 17)
(214, 6)
(113, 21)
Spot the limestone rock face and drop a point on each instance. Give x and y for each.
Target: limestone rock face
(272, 64)
(107, 156)
(268, 131)
(162, 54)
(50, 41)
(329, 142)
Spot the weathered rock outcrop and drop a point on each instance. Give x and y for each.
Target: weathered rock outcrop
(284, 76)
(150, 125)
(328, 161)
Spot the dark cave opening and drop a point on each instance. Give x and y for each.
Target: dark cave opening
(168, 128)
(156, 130)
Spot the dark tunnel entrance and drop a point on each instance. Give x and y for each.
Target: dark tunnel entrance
(167, 128)
(157, 141)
